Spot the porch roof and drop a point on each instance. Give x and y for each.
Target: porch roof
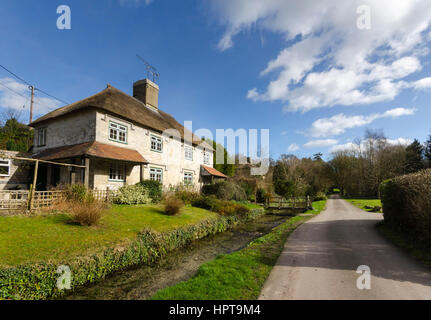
(92, 149)
(213, 172)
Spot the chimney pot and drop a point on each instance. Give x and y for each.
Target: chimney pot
(147, 92)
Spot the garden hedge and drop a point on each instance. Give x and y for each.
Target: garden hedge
(406, 204)
(39, 281)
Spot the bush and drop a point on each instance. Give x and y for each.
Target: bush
(226, 190)
(154, 189)
(226, 208)
(173, 205)
(320, 196)
(136, 194)
(76, 192)
(406, 204)
(87, 213)
(260, 195)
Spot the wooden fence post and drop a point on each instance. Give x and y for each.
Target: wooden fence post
(33, 188)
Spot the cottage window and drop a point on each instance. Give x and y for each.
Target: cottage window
(117, 132)
(156, 174)
(188, 153)
(4, 168)
(188, 178)
(117, 172)
(156, 144)
(41, 137)
(206, 158)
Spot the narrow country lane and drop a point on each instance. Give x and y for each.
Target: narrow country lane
(321, 257)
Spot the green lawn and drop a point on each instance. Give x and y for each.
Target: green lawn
(53, 238)
(362, 203)
(239, 275)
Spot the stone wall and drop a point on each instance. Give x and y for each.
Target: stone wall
(19, 172)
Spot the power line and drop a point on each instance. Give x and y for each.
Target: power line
(1, 84)
(27, 83)
(50, 95)
(19, 78)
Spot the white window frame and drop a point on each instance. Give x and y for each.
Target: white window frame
(157, 172)
(207, 160)
(6, 165)
(188, 153)
(188, 178)
(158, 143)
(41, 137)
(117, 172)
(115, 131)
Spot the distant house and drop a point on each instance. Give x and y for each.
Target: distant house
(14, 174)
(120, 139)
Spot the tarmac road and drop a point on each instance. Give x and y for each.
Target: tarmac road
(320, 260)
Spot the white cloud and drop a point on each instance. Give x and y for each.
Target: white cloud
(362, 145)
(320, 143)
(339, 123)
(424, 83)
(17, 97)
(333, 62)
(293, 148)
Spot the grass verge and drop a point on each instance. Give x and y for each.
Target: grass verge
(362, 203)
(54, 238)
(414, 249)
(239, 275)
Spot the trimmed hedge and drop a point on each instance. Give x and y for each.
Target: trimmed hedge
(154, 189)
(39, 281)
(406, 204)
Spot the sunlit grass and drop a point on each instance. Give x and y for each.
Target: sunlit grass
(55, 238)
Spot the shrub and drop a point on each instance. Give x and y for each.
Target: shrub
(136, 194)
(226, 190)
(406, 204)
(76, 192)
(226, 208)
(87, 213)
(320, 196)
(154, 189)
(260, 195)
(173, 205)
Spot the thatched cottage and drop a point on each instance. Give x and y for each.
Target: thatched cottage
(122, 139)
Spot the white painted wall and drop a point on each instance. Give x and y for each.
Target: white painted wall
(171, 160)
(69, 130)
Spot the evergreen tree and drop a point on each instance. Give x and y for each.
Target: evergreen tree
(427, 151)
(15, 136)
(414, 157)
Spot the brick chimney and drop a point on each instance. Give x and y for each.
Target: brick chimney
(147, 92)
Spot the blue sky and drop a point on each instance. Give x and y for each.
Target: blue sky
(315, 80)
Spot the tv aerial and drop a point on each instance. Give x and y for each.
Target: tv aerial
(151, 71)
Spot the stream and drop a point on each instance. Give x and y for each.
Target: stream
(143, 281)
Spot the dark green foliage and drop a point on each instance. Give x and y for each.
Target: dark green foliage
(154, 189)
(261, 195)
(225, 168)
(414, 157)
(15, 136)
(427, 152)
(225, 190)
(406, 204)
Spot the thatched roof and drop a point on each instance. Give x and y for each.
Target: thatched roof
(114, 101)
